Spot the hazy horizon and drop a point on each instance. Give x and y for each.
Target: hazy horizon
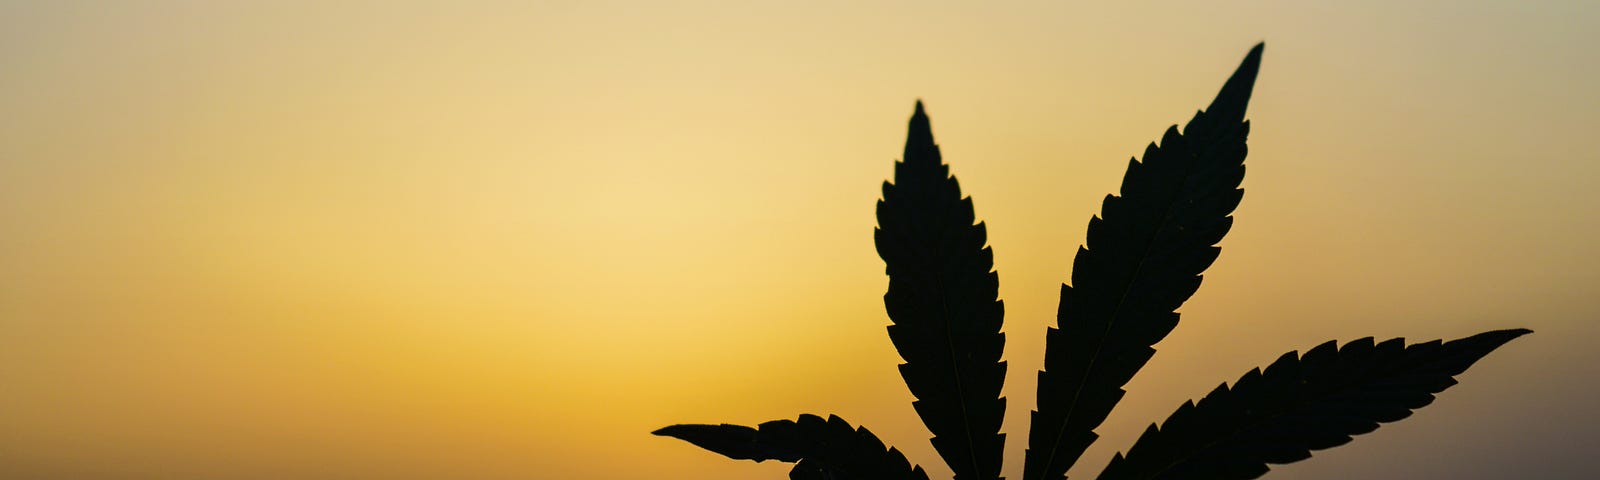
(255, 240)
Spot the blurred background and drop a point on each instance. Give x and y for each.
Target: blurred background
(328, 240)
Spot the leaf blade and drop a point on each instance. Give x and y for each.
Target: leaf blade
(828, 448)
(1142, 259)
(943, 301)
(1300, 404)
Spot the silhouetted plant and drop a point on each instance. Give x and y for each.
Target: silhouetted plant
(1143, 259)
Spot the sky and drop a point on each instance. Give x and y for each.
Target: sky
(405, 240)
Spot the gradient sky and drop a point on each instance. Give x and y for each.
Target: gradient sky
(266, 240)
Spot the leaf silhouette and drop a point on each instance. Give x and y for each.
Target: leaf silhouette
(825, 449)
(1300, 403)
(1143, 259)
(943, 301)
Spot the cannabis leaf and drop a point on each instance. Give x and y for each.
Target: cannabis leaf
(942, 299)
(829, 448)
(1143, 258)
(1299, 404)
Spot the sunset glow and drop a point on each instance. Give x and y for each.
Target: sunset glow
(273, 240)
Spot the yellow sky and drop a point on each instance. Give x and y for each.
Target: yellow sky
(392, 240)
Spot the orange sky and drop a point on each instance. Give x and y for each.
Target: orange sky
(264, 240)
